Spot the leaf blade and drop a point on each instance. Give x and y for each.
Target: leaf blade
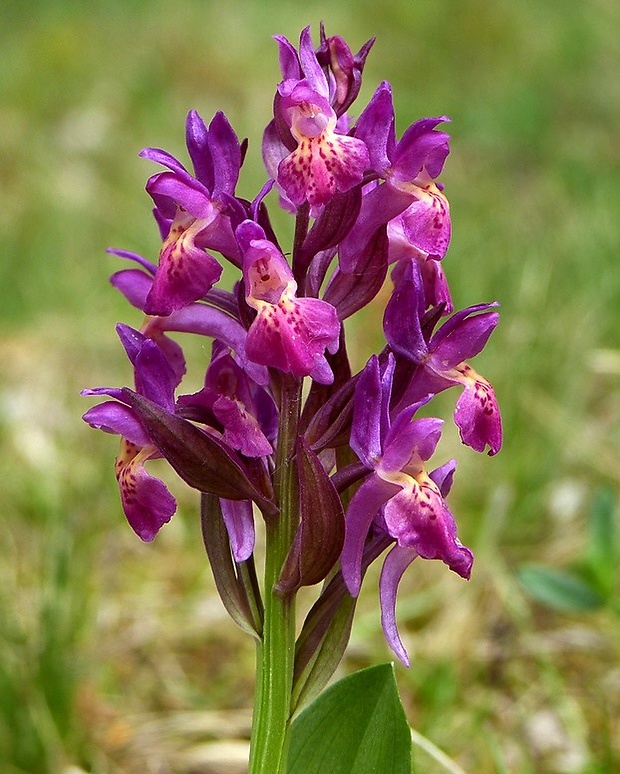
(356, 725)
(559, 589)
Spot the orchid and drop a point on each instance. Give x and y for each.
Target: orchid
(442, 360)
(231, 398)
(323, 159)
(289, 333)
(335, 459)
(147, 503)
(192, 211)
(400, 495)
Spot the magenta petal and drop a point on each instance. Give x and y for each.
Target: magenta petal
(118, 393)
(310, 65)
(466, 331)
(323, 326)
(129, 256)
(197, 141)
(366, 435)
(426, 224)
(395, 564)
(375, 127)
(322, 372)
(404, 310)
(462, 339)
(362, 509)
(270, 347)
(173, 353)
(193, 196)
(226, 153)
(289, 61)
(241, 429)
(147, 503)
(239, 521)
(185, 274)
(478, 417)
(322, 166)
(421, 146)
(371, 420)
(443, 477)
(134, 285)
(406, 438)
(293, 336)
(420, 519)
(155, 378)
(118, 419)
(164, 158)
(436, 289)
(273, 149)
(132, 340)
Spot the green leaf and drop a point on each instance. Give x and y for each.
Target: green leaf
(601, 555)
(321, 646)
(559, 589)
(358, 726)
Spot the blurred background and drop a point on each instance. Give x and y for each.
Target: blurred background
(116, 656)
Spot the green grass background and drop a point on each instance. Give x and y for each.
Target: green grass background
(112, 651)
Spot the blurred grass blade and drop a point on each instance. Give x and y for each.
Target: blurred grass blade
(559, 589)
(602, 546)
(425, 744)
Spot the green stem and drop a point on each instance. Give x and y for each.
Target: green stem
(276, 651)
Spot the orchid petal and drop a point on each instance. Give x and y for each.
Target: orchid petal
(419, 518)
(394, 566)
(462, 338)
(197, 141)
(239, 520)
(477, 413)
(185, 274)
(365, 504)
(117, 419)
(147, 503)
(375, 127)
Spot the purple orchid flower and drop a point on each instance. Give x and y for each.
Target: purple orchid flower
(410, 165)
(195, 209)
(199, 318)
(356, 480)
(146, 501)
(399, 497)
(288, 333)
(306, 147)
(442, 360)
(241, 407)
(238, 516)
(409, 168)
(436, 289)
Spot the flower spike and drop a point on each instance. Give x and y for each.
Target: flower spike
(338, 461)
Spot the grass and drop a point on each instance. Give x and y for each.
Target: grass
(115, 656)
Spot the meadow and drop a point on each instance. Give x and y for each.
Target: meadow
(116, 656)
